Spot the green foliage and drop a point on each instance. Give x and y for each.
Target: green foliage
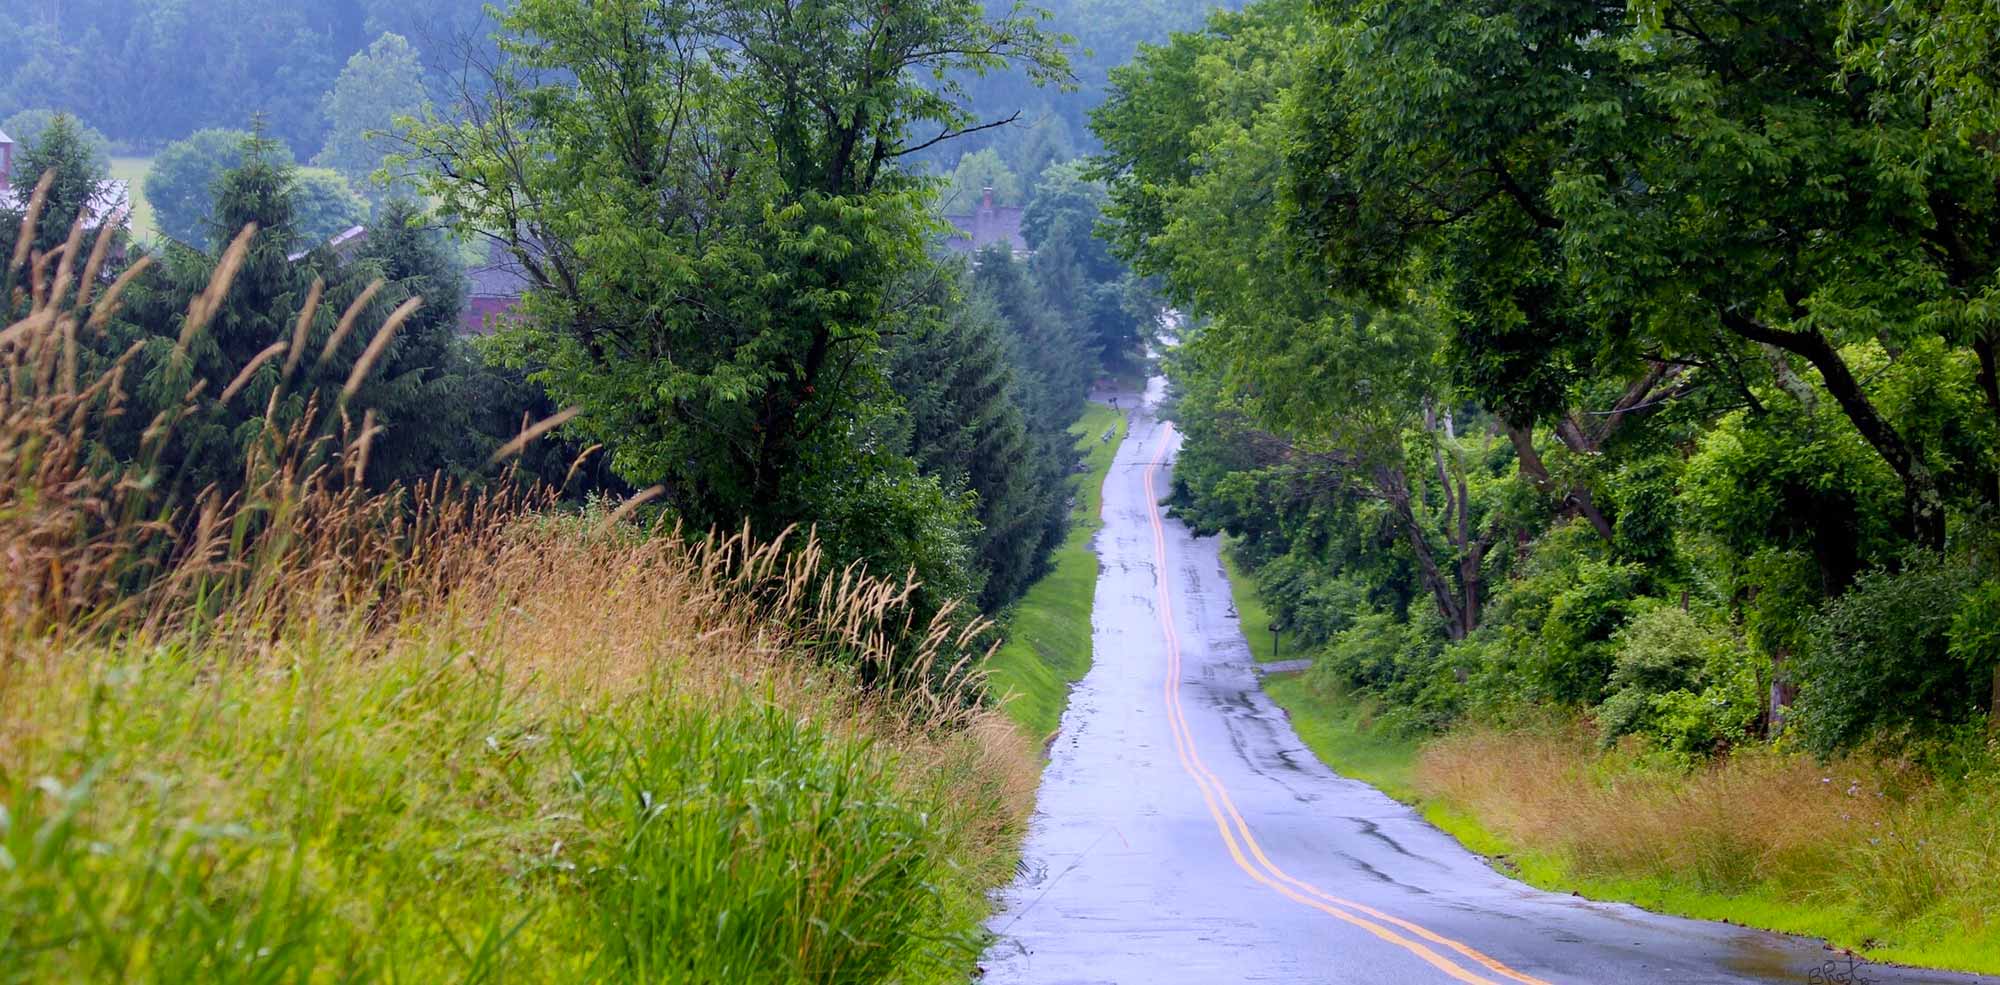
(439, 407)
(1403, 660)
(1685, 680)
(181, 184)
(327, 205)
(1051, 128)
(62, 146)
(1975, 634)
(1880, 660)
(1564, 317)
(977, 172)
(379, 86)
(964, 423)
(1076, 272)
(711, 283)
(1049, 351)
(148, 73)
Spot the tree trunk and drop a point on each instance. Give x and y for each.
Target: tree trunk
(1780, 695)
(1993, 703)
(1923, 505)
(1577, 502)
(1989, 384)
(1396, 490)
(1474, 587)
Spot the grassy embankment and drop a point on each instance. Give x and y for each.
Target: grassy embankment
(1862, 854)
(1265, 647)
(313, 734)
(132, 171)
(1048, 631)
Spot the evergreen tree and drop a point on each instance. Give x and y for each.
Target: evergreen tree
(260, 308)
(1075, 270)
(413, 388)
(1048, 351)
(63, 147)
(964, 424)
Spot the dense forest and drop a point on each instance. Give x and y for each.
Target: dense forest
(150, 72)
(1636, 364)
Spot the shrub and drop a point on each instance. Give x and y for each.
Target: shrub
(1556, 620)
(1686, 681)
(1402, 660)
(1879, 659)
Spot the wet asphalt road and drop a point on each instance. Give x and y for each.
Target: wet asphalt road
(1185, 834)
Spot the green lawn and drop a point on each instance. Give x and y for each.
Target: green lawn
(1048, 631)
(1255, 619)
(1337, 731)
(132, 170)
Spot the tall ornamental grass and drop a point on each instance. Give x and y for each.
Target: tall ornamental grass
(310, 732)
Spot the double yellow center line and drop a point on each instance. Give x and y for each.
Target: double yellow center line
(1235, 832)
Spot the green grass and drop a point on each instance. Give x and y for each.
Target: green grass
(1837, 903)
(1337, 732)
(1253, 616)
(1048, 631)
(132, 171)
(417, 820)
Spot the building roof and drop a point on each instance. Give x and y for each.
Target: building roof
(344, 245)
(4, 139)
(113, 198)
(987, 225)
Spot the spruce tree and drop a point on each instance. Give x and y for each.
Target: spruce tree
(1050, 352)
(965, 425)
(297, 388)
(64, 148)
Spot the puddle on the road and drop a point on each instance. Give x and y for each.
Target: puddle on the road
(1768, 959)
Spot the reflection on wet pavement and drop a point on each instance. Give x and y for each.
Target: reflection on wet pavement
(1125, 877)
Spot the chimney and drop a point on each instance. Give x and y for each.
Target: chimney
(986, 200)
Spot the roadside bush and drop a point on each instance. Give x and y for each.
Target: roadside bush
(1683, 680)
(1574, 659)
(1879, 662)
(1557, 619)
(1312, 605)
(1403, 661)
